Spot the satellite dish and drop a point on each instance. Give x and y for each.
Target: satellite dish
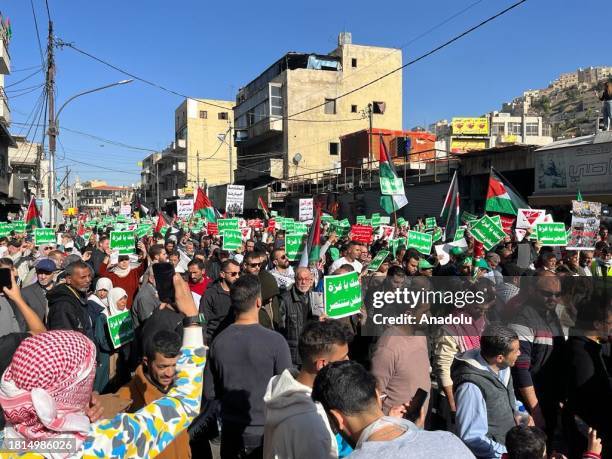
(297, 158)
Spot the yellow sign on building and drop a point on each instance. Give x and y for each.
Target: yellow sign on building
(470, 126)
(462, 145)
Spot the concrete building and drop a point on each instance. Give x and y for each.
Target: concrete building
(525, 130)
(592, 75)
(24, 160)
(163, 177)
(6, 140)
(202, 130)
(99, 198)
(278, 136)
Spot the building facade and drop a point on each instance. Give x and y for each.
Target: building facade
(29, 171)
(279, 135)
(6, 140)
(202, 130)
(99, 198)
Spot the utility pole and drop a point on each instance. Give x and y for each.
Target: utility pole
(229, 147)
(52, 132)
(370, 148)
(157, 180)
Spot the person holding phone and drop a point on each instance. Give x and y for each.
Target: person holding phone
(351, 399)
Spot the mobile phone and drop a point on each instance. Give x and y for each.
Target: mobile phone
(163, 273)
(414, 408)
(5, 278)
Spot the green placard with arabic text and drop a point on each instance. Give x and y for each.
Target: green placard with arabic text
(122, 241)
(342, 295)
(551, 234)
(232, 239)
(44, 236)
(120, 328)
(378, 260)
(488, 232)
(420, 241)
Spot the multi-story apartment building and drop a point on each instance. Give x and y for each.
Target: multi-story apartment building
(202, 130)
(24, 160)
(279, 135)
(98, 197)
(6, 140)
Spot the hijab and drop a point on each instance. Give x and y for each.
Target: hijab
(104, 283)
(114, 295)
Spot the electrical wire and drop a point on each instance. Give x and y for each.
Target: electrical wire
(42, 59)
(14, 96)
(25, 69)
(23, 79)
(419, 58)
(48, 13)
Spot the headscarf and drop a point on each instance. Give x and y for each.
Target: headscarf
(104, 283)
(47, 388)
(114, 295)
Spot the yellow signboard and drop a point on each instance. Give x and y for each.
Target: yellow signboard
(462, 145)
(470, 126)
(509, 139)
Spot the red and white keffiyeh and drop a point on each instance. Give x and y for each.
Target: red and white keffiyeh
(46, 389)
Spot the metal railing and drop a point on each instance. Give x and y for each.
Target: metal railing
(367, 175)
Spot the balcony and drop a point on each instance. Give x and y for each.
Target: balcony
(272, 167)
(5, 59)
(5, 113)
(259, 131)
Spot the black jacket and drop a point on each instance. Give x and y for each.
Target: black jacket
(215, 305)
(68, 310)
(36, 297)
(97, 257)
(294, 312)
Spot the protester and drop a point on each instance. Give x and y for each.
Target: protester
(97, 302)
(68, 301)
(351, 257)
(282, 271)
(113, 361)
(350, 398)
(486, 406)
(242, 359)
(122, 275)
(295, 425)
(36, 294)
(295, 311)
(146, 300)
(539, 367)
(70, 357)
(216, 302)
(198, 281)
(153, 379)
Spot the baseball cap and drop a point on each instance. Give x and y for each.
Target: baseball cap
(456, 251)
(46, 265)
(481, 263)
(467, 261)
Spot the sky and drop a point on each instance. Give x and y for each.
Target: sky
(210, 49)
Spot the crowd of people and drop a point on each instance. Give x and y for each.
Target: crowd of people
(244, 357)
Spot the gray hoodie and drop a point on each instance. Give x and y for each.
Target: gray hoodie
(295, 427)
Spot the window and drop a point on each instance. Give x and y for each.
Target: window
(203, 114)
(497, 129)
(334, 148)
(353, 108)
(223, 116)
(330, 106)
(378, 108)
(514, 128)
(532, 129)
(354, 63)
(276, 101)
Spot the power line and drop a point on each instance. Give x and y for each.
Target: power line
(99, 167)
(48, 13)
(14, 96)
(25, 69)
(23, 79)
(42, 59)
(417, 59)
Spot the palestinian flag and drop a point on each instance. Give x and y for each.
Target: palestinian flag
(162, 222)
(33, 219)
(261, 204)
(390, 201)
(502, 197)
(203, 207)
(312, 250)
(451, 208)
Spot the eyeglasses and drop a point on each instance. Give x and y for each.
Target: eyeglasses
(46, 248)
(284, 257)
(231, 274)
(549, 294)
(255, 265)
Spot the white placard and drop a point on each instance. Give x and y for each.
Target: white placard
(443, 250)
(126, 210)
(184, 208)
(528, 218)
(234, 201)
(306, 209)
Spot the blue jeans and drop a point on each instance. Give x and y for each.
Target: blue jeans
(607, 115)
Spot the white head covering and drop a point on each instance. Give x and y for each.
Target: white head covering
(113, 297)
(104, 283)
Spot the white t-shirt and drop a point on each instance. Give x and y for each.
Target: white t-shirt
(343, 261)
